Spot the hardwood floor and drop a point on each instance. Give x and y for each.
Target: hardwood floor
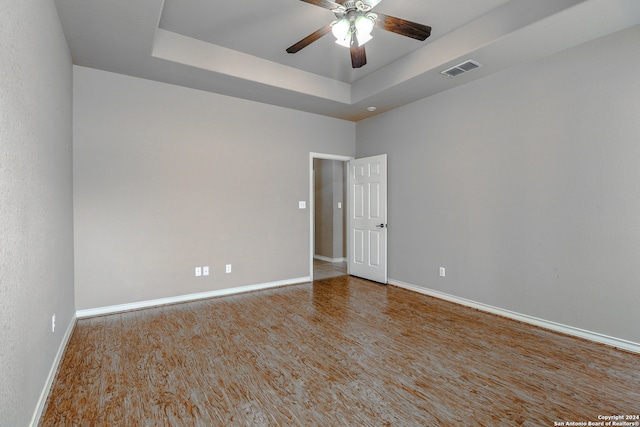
(335, 352)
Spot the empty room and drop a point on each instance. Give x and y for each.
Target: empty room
(320, 213)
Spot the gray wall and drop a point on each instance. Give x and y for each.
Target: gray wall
(168, 178)
(525, 186)
(36, 224)
(329, 219)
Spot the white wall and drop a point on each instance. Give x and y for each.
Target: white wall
(168, 178)
(525, 185)
(36, 224)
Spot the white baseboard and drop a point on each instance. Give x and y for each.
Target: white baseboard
(547, 324)
(99, 311)
(327, 259)
(52, 373)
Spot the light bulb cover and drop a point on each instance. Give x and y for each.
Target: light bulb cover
(340, 28)
(363, 38)
(346, 41)
(364, 26)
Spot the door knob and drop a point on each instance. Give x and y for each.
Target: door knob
(380, 226)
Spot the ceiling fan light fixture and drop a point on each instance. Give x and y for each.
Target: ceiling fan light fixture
(363, 38)
(346, 41)
(364, 26)
(341, 30)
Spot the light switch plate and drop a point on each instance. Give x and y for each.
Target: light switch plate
(198, 271)
(205, 270)
(302, 204)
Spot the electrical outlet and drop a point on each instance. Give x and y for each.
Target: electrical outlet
(228, 268)
(205, 270)
(53, 323)
(442, 271)
(198, 271)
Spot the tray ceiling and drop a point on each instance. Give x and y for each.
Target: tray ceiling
(237, 48)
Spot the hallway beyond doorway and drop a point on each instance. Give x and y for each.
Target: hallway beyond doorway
(325, 270)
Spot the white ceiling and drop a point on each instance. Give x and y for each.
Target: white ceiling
(237, 47)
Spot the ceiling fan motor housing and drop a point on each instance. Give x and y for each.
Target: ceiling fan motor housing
(351, 9)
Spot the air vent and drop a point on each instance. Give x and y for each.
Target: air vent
(461, 68)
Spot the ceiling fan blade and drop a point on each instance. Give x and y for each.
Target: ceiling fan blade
(403, 27)
(309, 39)
(358, 56)
(327, 4)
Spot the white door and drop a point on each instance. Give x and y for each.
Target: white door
(368, 218)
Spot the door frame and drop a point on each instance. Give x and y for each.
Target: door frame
(312, 202)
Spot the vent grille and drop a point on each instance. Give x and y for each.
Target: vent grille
(461, 68)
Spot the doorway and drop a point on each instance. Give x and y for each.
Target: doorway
(328, 205)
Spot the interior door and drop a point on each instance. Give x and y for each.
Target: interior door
(368, 218)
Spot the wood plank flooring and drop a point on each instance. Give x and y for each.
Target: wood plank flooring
(336, 352)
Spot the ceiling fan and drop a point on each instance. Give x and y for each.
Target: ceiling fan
(354, 25)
